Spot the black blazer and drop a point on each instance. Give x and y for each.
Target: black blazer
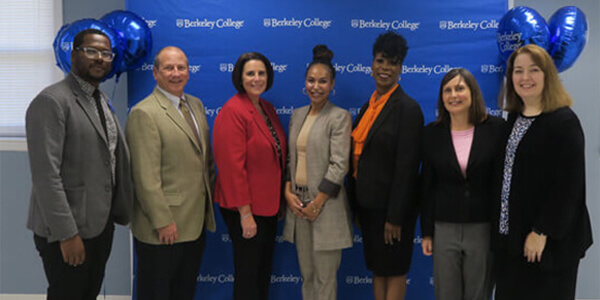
(547, 190)
(449, 196)
(388, 168)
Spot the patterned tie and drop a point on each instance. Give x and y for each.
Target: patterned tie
(96, 96)
(188, 118)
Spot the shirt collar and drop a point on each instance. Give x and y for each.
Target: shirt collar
(174, 99)
(87, 87)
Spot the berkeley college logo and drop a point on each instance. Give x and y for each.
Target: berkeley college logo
(383, 24)
(297, 23)
(65, 46)
(226, 67)
(151, 23)
(146, 67)
(468, 25)
(194, 68)
(213, 279)
(358, 280)
(509, 41)
(210, 24)
(491, 69)
(427, 70)
(443, 25)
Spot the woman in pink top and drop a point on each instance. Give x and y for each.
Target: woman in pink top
(461, 150)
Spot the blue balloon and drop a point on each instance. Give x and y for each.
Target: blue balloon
(63, 43)
(568, 36)
(521, 26)
(135, 36)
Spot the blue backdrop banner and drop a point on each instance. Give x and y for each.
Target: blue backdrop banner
(441, 35)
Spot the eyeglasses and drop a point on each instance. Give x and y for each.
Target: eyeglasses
(93, 53)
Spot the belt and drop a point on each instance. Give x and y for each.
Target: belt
(301, 189)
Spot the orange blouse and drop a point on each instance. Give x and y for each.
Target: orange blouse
(359, 134)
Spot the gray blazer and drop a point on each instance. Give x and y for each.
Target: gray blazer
(70, 167)
(327, 155)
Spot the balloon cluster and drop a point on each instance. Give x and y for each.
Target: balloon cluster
(129, 37)
(564, 36)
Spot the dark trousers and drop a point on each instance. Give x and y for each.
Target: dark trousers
(519, 280)
(76, 283)
(168, 271)
(252, 258)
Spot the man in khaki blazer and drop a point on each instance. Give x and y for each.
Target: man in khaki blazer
(173, 173)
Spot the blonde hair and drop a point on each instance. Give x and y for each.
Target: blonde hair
(554, 95)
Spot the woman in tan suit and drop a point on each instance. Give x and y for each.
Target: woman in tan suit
(318, 214)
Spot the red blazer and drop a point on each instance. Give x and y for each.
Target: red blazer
(249, 170)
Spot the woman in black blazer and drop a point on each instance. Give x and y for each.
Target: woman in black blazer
(460, 151)
(543, 227)
(384, 171)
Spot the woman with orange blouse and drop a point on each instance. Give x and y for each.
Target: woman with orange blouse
(384, 171)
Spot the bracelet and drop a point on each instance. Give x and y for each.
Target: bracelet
(315, 208)
(245, 216)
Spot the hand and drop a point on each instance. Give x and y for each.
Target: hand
(249, 229)
(168, 235)
(427, 245)
(73, 251)
(391, 232)
(534, 247)
(294, 203)
(311, 211)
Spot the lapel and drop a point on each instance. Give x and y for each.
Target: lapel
(476, 146)
(386, 111)
(318, 119)
(175, 116)
(299, 119)
(449, 152)
(258, 119)
(80, 98)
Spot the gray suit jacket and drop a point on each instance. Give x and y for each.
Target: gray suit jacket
(327, 156)
(70, 167)
(174, 175)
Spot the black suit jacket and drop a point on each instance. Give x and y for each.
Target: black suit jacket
(388, 168)
(449, 196)
(547, 190)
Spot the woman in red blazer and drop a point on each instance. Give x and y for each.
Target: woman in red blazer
(250, 149)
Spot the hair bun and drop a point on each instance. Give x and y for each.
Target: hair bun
(322, 53)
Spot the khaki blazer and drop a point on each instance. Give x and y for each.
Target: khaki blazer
(327, 155)
(172, 174)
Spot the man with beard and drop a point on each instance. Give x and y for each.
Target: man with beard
(81, 178)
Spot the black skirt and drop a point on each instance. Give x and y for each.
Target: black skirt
(381, 259)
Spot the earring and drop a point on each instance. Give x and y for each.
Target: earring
(332, 92)
(304, 91)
